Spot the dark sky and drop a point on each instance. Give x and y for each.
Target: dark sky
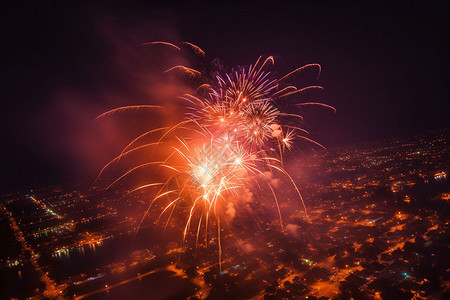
(385, 65)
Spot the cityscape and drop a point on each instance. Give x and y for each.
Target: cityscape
(225, 150)
(376, 227)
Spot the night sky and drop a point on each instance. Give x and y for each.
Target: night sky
(385, 67)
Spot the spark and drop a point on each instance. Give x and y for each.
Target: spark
(197, 50)
(318, 104)
(288, 139)
(188, 71)
(126, 108)
(162, 43)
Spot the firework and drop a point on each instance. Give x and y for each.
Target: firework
(232, 132)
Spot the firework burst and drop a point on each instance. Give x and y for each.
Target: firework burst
(232, 132)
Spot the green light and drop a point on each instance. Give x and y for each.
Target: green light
(308, 262)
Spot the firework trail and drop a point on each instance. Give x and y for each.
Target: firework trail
(232, 133)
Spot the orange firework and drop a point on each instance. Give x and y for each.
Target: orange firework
(232, 133)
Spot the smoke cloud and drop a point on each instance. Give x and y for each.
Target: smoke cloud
(292, 229)
(125, 72)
